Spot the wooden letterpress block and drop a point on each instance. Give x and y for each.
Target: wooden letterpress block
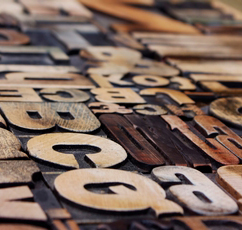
(17, 171)
(227, 110)
(229, 177)
(44, 116)
(147, 139)
(47, 148)
(209, 146)
(13, 209)
(129, 195)
(143, 153)
(218, 202)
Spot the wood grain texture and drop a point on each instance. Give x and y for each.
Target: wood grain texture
(47, 80)
(148, 20)
(69, 95)
(13, 209)
(41, 147)
(142, 152)
(154, 130)
(229, 177)
(10, 146)
(214, 149)
(218, 203)
(17, 171)
(227, 110)
(13, 38)
(175, 95)
(72, 185)
(117, 95)
(211, 126)
(75, 117)
(176, 151)
(101, 107)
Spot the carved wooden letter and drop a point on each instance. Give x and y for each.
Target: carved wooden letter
(132, 192)
(110, 153)
(74, 117)
(214, 149)
(11, 208)
(227, 109)
(200, 195)
(230, 178)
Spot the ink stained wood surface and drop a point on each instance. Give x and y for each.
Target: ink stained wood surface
(135, 64)
(132, 141)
